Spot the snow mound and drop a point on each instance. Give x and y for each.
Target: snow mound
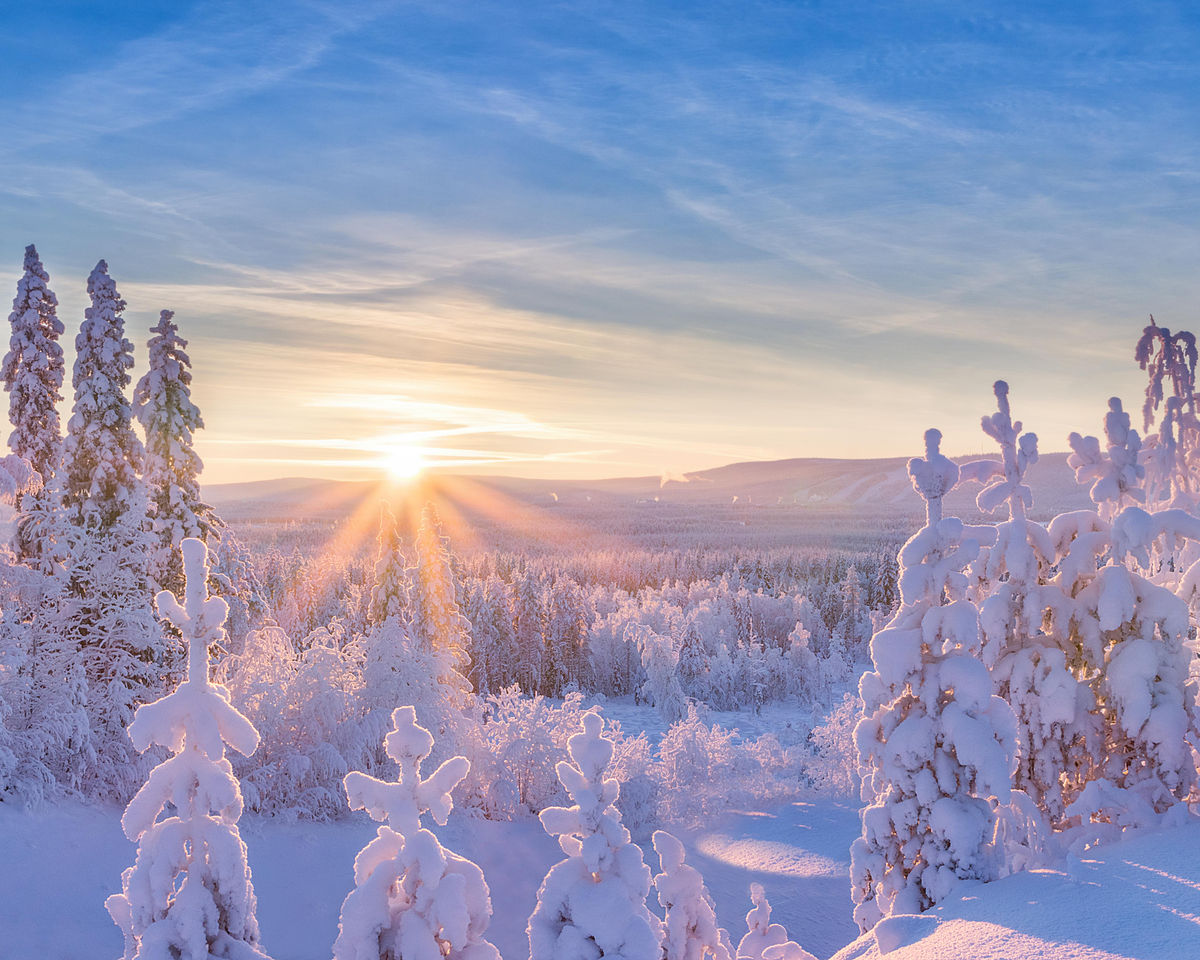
(902, 930)
(1137, 898)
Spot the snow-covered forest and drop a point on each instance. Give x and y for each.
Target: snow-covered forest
(996, 695)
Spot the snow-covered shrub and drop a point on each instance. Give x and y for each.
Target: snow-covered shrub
(413, 898)
(937, 747)
(696, 763)
(690, 929)
(592, 904)
(306, 707)
(189, 894)
(834, 767)
(521, 742)
(762, 936)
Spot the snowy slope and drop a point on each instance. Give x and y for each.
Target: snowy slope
(1139, 898)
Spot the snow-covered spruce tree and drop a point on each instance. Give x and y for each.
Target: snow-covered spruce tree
(593, 904)
(937, 747)
(162, 401)
(661, 663)
(33, 377)
(690, 929)
(41, 696)
(396, 666)
(1134, 634)
(102, 454)
(189, 895)
(389, 593)
(434, 617)
(1129, 640)
(1031, 661)
(106, 609)
(412, 898)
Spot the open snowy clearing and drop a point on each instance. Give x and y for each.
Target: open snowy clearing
(1139, 898)
(74, 855)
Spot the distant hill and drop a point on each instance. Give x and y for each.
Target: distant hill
(862, 488)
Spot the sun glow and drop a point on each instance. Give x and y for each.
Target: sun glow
(403, 462)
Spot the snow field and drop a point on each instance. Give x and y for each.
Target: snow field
(303, 871)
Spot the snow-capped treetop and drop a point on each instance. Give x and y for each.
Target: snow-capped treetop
(412, 898)
(189, 895)
(33, 369)
(1175, 359)
(171, 470)
(761, 933)
(389, 591)
(1115, 475)
(934, 476)
(593, 904)
(1018, 451)
(102, 454)
(690, 930)
(197, 717)
(402, 803)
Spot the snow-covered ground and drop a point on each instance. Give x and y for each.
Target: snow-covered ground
(786, 719)
(72, 857)
(1139, 898)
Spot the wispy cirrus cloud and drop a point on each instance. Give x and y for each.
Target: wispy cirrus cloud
(608, 238)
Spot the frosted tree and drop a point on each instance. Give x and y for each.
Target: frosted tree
(1115, 475)
(389, 592)
(1167, 357)
(936, 745)
(33, 376)
(661, 662)
(412, 898)
(529, 629)
(1133, 636)
(171, 468)
(690, 929)
(593, 904)
(1031, 660)
(107, 612)
(434, 617)
(189, 894)
(397, 669)
(102, 454)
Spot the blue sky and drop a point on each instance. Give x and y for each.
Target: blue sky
(586, 239)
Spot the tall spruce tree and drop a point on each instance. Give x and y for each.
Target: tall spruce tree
(33, 376)
(102, 455)
(162, 401)
(106, 611)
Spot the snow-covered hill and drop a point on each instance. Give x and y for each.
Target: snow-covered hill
(874, 487)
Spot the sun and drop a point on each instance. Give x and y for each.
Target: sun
(404, 462)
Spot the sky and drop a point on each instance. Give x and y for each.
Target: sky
(585, 239)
